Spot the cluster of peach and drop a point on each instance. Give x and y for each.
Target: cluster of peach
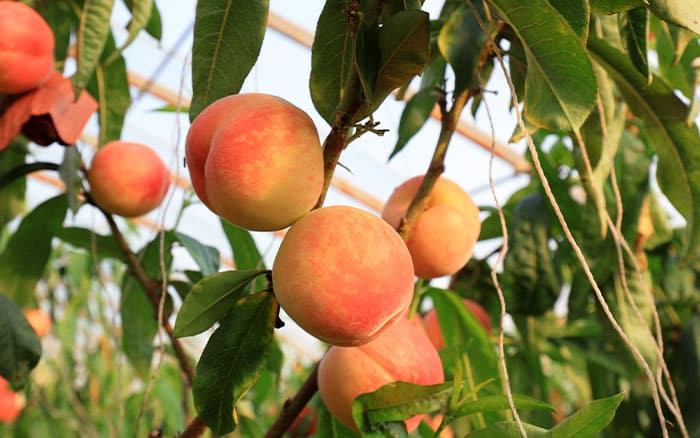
(341, 273)
(12, 403)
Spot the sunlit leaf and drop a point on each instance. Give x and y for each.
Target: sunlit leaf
(232, 360)
(211, 299)
(227, 40)
(679, 12)
(589, 420)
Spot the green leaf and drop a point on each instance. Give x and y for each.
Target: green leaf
(206, 257)
(461, 42)
(590, 420)
(232, 360)
(228, 36)
(140, 16)
(331, 58)
(69, 173)
(635, 31)
(211, 299)
(154, 26)
(577, 13)
(137, 312)
(329, 427)
(20, 348)
(110, 86)
(91, 242)
(677, 145)
(92, 35)
(675, 66)
(27, 252)
(398, 401)
(560, 86)
(404, 50)
(415, 114)
(508, 429)
(12, 194)
(62, 19)
(682, 13)
(613, 6)
(245, 252)
(530, 283)
(367, 58)
(499, 403)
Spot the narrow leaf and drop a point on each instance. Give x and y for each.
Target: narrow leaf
(635, 31)
(233, 359)
(110, 86)
(677, 145)
(92, 35)
(461, 42)
(23, 262)
(140, 16)
(20, 348)
(228, 36)
(206, 257)
(331, 58)
(560, 89)
(211, 299)
(590, 420)
(414, 115)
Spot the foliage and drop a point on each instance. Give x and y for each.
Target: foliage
(604, 124)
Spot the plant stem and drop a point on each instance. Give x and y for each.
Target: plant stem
(195, 429)
(294, 405)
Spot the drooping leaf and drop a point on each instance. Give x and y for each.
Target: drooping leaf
(635, 31)
(415, 114)
(20, 348)
(331, 58)
(589, 420)
(91, 37)
(91, 242)
(577, 14)
(404, 50)
(233, 359)
(110, 86)
(228, 36)
(140, 17)
(154, 26)
(461, 42)
(398, 401)
(137, 311)
(677, 145)
(24, 259)
(560, 89)
(211, 299)
(679, 12)
(70, 166)
(12, 194)
(530, 282)
(206, 257)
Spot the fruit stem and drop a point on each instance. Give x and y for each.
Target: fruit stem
(294, 405)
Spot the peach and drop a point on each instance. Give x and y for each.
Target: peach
(443, 238)
(343, 275)
(26, 48)
(432, 325)
(10, 403)
(39, 320)
(401, 353)
(128, 179)
(255, 160)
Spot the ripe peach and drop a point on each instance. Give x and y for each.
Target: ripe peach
(432, 325)
(403, 353)
(128, 179)
(39, 320)
(26, 48)
(10, 403)
(255, 160)
(343, 275)
(442, 240)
